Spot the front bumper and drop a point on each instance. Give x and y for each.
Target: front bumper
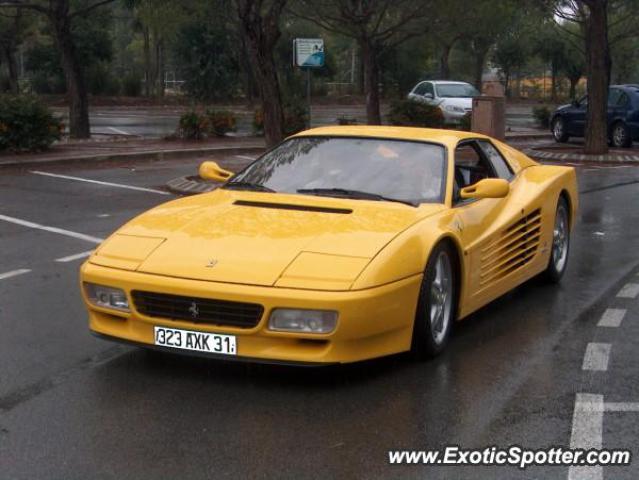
(372, 323)
(452, 117)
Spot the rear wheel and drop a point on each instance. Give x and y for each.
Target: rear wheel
(620, 136)
(560, 243)
(559, 130)
(436, 305)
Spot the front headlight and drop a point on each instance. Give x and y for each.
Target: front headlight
(454, 108)
(107, 297)
(303, 321)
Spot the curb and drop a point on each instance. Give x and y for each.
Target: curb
(580, 157)
(528, 136)
(151, 155)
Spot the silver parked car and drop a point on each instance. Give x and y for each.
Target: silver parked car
(455, 99)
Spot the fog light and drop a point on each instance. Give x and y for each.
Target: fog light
(107, 297)
(306, 321)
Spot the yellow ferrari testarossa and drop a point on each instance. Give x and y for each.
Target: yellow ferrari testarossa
(340, 244)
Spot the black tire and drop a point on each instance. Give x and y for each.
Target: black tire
(427, 340)
(559, 254)
(559, 130)
(620, 136)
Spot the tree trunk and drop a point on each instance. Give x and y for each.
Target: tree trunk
(79, 126)
(159, 66)
(147, 61)
(12, 67)
(265, 73)
(507, 90)
(573, 87)
(480, 61)
(553, 83)
(598, 72)
(371, 82)
(444, 64)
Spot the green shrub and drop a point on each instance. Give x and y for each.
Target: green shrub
(465, 123)
(409, 113)
(101, 81)
(191, 126)
(295, 118)
(542, 116)
(132, 85)
(220, 122)
(26, 124)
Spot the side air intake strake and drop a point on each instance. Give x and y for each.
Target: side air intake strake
(515, 248)
(290, 206)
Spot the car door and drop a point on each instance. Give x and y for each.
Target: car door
(614, 107)
(577, 118)
(482, 223)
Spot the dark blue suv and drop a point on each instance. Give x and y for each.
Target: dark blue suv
(623, 117)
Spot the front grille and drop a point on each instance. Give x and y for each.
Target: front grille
(197, 310)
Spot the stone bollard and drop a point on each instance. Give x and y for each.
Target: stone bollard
(488, 116)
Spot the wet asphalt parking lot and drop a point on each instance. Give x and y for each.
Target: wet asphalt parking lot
(520, 371)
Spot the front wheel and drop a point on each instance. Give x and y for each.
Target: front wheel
(559, 130)
(560, 243)
(437, 304)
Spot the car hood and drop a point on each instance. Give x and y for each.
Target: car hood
(260, 238)
(465, 102)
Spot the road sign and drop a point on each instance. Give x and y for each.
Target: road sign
(308, 52)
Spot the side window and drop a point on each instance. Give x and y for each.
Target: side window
(429, 89)
(623, 100)
(501, 167)
(470, 167)
(420, 89)
(613, 96)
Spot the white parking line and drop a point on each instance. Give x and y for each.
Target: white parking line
(612, 317)
(596, 357)
(629, 290)
(117, 130)
(77, 256)
(14, 273)
(587, 433)
(621, 407)
(59, 231)
(245, 157)
(97, 182)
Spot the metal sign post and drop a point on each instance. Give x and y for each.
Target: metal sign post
(308, 53)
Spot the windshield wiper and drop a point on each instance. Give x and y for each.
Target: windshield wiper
(357, 194)
(247, 186)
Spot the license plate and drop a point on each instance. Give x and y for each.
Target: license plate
(197, 341)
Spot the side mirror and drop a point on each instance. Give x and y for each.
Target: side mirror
(429, 96)
(212, 171)
(575, 103)
(486, 188)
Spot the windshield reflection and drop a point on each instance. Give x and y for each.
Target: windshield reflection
(399, 169)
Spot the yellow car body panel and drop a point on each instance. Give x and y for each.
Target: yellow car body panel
(364, 259)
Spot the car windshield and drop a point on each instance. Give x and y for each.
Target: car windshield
(456, 90)
(361, 168)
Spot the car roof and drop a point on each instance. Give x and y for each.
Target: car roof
(441, 82)
(632, 86)
(448, 138)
